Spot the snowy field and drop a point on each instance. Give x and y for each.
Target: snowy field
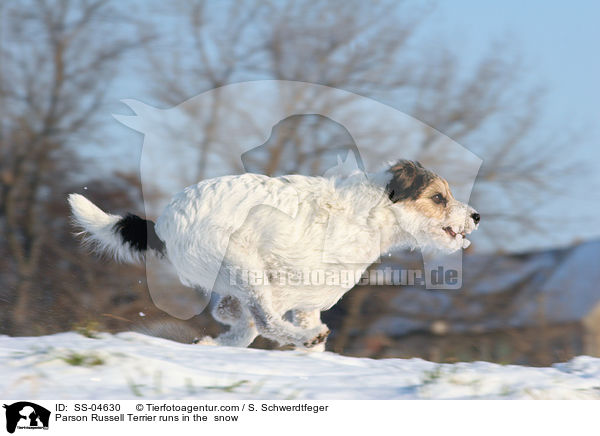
(131, 365)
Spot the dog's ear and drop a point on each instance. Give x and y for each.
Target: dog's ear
(408, 181)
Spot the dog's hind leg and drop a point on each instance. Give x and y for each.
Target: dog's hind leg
(228, 310)
(272, 326)
(309, 320)
(240, 334)
(242, 330)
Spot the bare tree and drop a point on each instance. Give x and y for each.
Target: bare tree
(53, 79)
(370, 49)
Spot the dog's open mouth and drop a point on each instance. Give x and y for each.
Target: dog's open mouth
(452, 233)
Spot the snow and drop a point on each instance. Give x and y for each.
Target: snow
(132, 365)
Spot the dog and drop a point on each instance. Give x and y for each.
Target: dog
(227, 226)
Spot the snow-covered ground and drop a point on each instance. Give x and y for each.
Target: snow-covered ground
(131, 365)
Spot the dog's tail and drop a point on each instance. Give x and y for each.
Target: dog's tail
(126, 238)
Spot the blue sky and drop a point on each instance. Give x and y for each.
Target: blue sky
(559, 43)
(558, 40)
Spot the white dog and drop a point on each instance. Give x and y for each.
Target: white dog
(340, 224)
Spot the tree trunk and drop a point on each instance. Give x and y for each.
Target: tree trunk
(23, 310)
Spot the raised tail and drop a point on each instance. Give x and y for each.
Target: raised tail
(126, 238)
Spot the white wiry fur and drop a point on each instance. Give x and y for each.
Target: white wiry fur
(339, 224)
(98, 229)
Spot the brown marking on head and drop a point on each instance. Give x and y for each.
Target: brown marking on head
(435, 199)
(425, 190)
(409, 179)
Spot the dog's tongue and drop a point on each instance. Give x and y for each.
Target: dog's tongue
(450, 231)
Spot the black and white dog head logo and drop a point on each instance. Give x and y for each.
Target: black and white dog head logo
(26, 415)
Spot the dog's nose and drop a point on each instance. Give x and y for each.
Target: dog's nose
(476, 217)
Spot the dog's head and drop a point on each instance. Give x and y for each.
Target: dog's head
(427, 209)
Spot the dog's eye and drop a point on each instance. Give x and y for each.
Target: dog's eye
(438, 199)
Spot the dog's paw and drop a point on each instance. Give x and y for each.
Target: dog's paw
(206, 340)
(318, 339)
(319, 348)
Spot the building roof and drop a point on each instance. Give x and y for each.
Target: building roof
(551, 286)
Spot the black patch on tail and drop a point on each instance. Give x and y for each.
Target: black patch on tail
(139, 233)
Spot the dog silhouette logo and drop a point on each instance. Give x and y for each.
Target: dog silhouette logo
(26, 415)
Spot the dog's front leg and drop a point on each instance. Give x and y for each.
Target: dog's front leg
(272, 326)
